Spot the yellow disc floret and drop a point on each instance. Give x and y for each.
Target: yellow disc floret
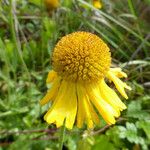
(81, 56)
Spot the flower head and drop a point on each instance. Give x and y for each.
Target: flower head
(81, 62)
(97, 4)
(81, 57)
(51, 4)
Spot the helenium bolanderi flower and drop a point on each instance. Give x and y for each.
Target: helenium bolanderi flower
(81, 62)
(97, 4)
(51, 4)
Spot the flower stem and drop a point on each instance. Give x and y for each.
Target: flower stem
(62, 135)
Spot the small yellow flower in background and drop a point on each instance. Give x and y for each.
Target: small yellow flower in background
(51, 4)
(81, 62)
(97, 4)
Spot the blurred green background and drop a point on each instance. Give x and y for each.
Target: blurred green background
(28, 33)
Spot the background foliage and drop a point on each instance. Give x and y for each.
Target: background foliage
(28, 33)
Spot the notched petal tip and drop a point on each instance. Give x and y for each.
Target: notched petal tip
(118, 72)
(105, 109)
(64, 106)
(111, 123)
(111, 97)
(120, 85)
(128, 87)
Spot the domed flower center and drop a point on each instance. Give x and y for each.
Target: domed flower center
(81, 56)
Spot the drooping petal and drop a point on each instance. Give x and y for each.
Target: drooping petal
(83, 101)
(81, 112)
(88, 116)
(51, 92)
(111, 97)
(119, 84)
(87, 110)
(118, 72)
(64, 106)
(106, 110)
(51, 76)
(94, 115)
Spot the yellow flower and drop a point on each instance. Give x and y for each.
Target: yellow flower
(51, 4)
(97, 4)
(81, 62)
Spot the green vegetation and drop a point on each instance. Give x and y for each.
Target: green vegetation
(28, 34)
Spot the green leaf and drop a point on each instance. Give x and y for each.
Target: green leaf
(145, 125)
(103, 143)
(71, 143)
(122, 132)
(135, 110)
(131, 133)
(85, 143)
(113, 134)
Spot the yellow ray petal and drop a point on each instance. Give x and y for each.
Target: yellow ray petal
(64, 107)
(51, 76)
(118, 83)
(83, 101)
(60, 95)
(94, 115)
(103, 107)
(118, 72)
(51, 92)
(81, 112)
(88, 112)
(88, 116)
(111, 97)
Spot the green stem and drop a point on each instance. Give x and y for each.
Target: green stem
(42, 33)
(15, 36)
(62, 135)
(131, 7)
